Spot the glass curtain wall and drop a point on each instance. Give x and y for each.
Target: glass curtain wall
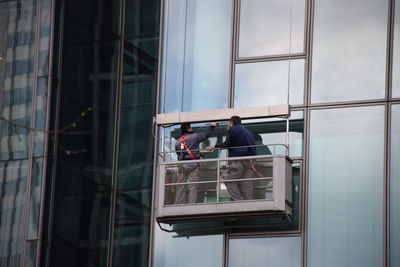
(346, 185)
(24, 49)
(86, 133)
(395, 187)
(396, 53)
(271, 251)
(196, 49)
(349, 50)
(270, 34)
(136, 136)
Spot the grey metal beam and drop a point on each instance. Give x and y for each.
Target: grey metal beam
(223, 114)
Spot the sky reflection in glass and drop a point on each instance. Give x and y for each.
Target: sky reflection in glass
(172, 250)
(396, 54)
(266, 26)
(395, 188)
(273, 251)
(196, 53)
(266, 83)
(345, 201)
(349, 50)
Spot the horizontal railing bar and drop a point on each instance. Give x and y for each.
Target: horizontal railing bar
(215, 160)
(221, 181)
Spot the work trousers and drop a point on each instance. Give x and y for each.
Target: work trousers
(239, 169)
(189, 172)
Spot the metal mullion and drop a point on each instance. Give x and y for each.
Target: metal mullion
(56, 125)
(271, 58)
(390, 48)
(156, 133)
(233, 50)
(225, 248)
(308, 51)
(387, 179)
(264, 235)
(46, 138)
(117, 132)
(31, 133)
(348, 104)
(304, 227)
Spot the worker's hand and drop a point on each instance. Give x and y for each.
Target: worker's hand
(214, 124)
(210, 148)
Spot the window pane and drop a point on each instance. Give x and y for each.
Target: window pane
(345, 205)
(396, 54)
(34, 200)
(395, 188)
(349, 50)
(196, 55)
(274, 251)
(173, 250)
(271, 27)
(17, 61)
(266, 83)
(12, 211)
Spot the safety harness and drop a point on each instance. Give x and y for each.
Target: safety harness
(183, 145)
(183, 139)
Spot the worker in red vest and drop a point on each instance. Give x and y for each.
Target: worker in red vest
(187, 148)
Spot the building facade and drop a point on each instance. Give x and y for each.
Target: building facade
(81, 83)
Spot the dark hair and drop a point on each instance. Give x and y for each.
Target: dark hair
(236, 120)
(185, 127)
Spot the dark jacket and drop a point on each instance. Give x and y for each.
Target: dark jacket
(192, 141)
(239, 136)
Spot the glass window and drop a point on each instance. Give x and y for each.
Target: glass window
(267, 83)
(396, 53)
(349, 50)
(174, 250)
(395, 188)
(272, 251)
(136, 137)
(12, 211)
(196, 55)
(16, 79)
(345, 198)
(85, 160)
(271, 27)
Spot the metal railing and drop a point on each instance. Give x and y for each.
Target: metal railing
(217, 178)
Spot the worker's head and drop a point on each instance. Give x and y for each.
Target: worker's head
(186, 128)
(234, 120)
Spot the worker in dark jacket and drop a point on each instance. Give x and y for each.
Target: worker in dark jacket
(187, 148)
(240, 142)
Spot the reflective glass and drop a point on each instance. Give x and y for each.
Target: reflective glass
(271, 27)
(132, 228)
(349, 50)
(346, 184)
(267, 83)
(272, 251)
(30, 253)
(85, 154)
(34, 199)
(44, 41)
(12, 210)
(40, 116)
(174, 250)
(395, 188)
(136, 136)
(17, 58)
(196, 55)
(273, 131)
(396, 53)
